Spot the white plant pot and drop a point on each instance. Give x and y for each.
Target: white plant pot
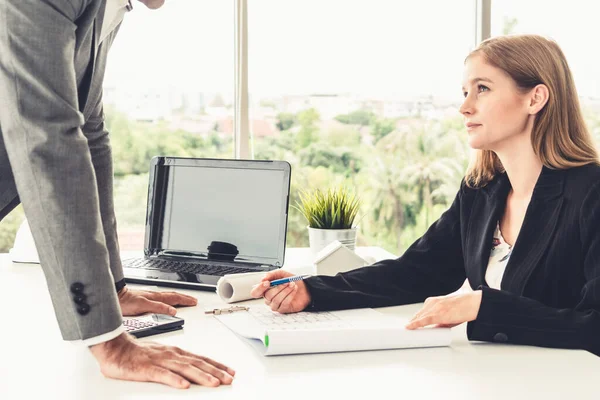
(319, 238)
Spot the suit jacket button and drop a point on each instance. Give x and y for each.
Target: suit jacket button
(80, 298)
(83, 309)
(500, 337)
(77, 287)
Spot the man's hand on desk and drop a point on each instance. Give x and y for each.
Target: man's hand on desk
(136, 302)
(128, 359)
(287, 298)
(447, 311)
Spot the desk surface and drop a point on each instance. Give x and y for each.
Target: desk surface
(36, 363)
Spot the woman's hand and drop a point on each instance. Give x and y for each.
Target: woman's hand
(136, 302)
(287, 298)
(447, 311)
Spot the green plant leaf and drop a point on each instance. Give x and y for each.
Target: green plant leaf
(336, 208)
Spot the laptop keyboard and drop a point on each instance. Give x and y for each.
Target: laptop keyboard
(185, 267)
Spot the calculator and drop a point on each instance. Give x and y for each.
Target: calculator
(151, 324)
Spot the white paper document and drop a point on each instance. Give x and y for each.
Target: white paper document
(272, 333)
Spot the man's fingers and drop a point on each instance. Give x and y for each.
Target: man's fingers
(140, 302)
(190, 372)
(172, 298)
(158, 374)
(220, 373)
(218, 370)
(223, 367)
(220, 366)
(178, 299)
(157, 307)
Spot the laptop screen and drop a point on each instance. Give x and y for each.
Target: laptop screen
(224, 209)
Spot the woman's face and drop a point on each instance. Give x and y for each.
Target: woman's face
(495, 111)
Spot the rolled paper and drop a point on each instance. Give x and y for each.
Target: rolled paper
(237, 287)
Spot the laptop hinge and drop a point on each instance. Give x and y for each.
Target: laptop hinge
(200, 257)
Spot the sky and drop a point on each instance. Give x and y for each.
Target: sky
(393, 48)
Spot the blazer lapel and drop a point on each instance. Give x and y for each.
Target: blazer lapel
(487, 209)
(541, 219)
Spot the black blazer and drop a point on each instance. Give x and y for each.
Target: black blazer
(550, 291)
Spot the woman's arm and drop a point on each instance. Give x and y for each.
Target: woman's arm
(507, 317)
(432, 266)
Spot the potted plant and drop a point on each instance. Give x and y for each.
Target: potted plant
(330, 217)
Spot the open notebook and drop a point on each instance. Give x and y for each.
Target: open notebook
(272, 333)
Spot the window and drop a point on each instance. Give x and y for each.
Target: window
(168, 90)
(574, 28)
(364, 94)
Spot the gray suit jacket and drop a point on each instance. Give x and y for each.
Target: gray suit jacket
(55, 155)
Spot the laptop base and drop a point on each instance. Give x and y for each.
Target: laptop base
(174, 284)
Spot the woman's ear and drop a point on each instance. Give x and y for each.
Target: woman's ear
(538, 98)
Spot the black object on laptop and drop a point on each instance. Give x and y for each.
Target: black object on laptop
(210, 217)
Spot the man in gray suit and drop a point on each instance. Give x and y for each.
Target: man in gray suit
(55, 158)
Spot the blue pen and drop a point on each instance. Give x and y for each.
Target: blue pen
(288, 279)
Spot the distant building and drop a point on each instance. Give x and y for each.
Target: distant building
(330, 105)
(155, 104)
(258, 127)
(151, 104)
(199, 125)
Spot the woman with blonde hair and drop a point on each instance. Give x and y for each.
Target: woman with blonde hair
(523, 231)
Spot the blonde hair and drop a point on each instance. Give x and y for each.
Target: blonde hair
(559, 137)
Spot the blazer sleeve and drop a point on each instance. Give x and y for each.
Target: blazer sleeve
(101, 152)
(507, 317)
(51, 161)
(431, 266)
(98, 138)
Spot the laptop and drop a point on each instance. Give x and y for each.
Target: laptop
(209, 217)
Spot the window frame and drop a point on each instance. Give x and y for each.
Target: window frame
(242, 135)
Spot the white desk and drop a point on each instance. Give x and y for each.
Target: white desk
(36, 364)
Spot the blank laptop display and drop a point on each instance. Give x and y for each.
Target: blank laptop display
(211, 217)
